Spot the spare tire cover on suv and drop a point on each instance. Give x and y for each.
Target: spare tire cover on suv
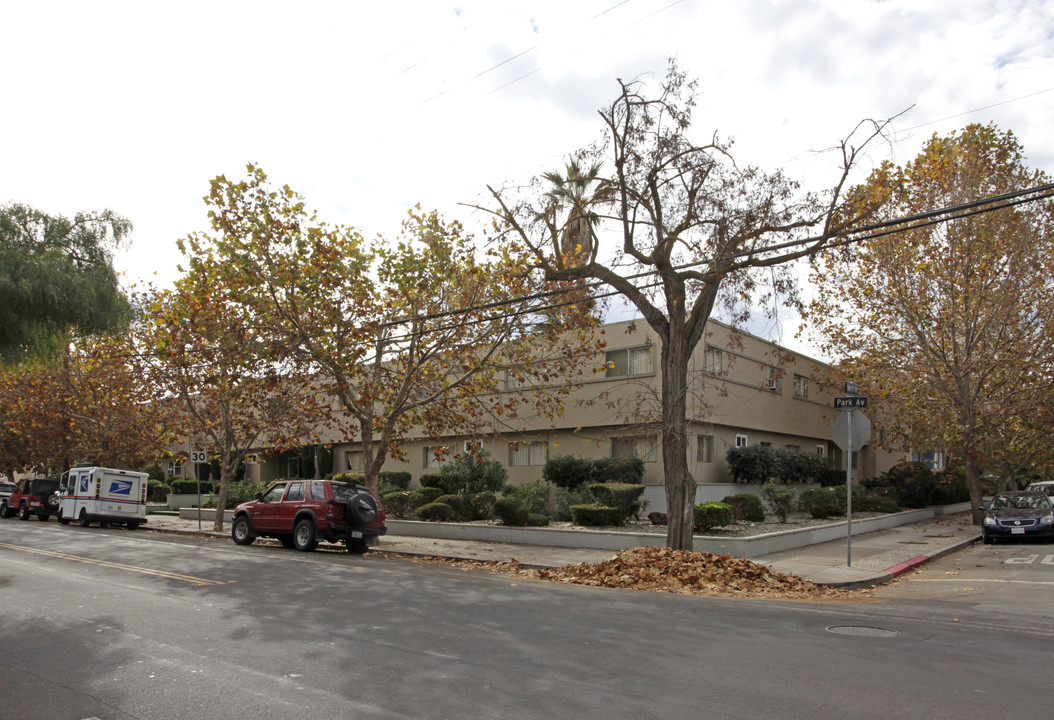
(362, 508)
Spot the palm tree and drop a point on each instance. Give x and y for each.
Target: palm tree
(577, 240)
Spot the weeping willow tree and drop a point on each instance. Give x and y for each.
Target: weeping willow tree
(57, 275)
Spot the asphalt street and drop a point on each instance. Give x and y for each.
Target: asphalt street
(114, 624)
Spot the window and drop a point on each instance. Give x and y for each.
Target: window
(801, 387)
(431, 453)
(704, 452)
(296, 492)
(528, 453)
(775, 380)
(645, 448)
(318, 489)
(175, 469)
(354, 459)
(821, 450)
(741, 440)
(794, 448)
(630, 362)
(274, 494)
(715, 360)
(765, 443)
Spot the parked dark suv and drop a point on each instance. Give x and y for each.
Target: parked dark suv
(38, 496)
(300, 513)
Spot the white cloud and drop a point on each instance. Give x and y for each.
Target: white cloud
(369, 109)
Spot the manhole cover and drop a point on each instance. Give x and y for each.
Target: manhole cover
(861, 631)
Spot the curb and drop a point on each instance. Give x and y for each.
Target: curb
(889, 574)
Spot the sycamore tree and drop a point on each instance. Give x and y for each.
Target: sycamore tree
(57, 276)
(674, 226)
(947, 325)
(228, 385)
(414, 337)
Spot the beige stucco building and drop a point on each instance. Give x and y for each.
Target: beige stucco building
(743, 391)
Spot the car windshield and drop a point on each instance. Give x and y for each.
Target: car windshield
(1026, 501)
(343, 492)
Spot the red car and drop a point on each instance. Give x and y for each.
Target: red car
(38, 496)
(300, 513)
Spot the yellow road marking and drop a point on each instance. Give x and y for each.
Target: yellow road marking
(119, 566)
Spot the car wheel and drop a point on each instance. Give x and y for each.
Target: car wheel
(362, 509)
(53, 501)
(287, 541)
(304, 538)
(23, 512)
(84, 521)
(133, 525)
(43, 518)
(356, 547)
(241, 532)
(5, 511)
(62, 520)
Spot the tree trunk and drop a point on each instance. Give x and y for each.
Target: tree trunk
(226, 473)
(680, 485)
(973, 479)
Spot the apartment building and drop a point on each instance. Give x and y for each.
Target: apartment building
(742, 391)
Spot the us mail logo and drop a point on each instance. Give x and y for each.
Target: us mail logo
(121, 487)
(83, 487)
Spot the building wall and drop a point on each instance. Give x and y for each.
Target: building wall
(740, 385)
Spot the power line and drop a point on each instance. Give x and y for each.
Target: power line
(867, 232)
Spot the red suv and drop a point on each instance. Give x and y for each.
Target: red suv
(300, 513)
(38, 496)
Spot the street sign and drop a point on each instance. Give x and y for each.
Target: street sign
(198, 455)
(861, 431)
(856, 402)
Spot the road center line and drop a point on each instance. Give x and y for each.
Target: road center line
(117, 566)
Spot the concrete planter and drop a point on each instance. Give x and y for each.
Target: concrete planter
(205, 515)
(175, 501)
(746, 547)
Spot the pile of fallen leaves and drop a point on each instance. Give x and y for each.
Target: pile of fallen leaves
(682, 571)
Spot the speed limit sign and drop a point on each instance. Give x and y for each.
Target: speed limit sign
(198, 454)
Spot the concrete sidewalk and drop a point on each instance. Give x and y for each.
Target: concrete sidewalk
(877, 557)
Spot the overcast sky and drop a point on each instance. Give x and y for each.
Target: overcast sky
(369, 108)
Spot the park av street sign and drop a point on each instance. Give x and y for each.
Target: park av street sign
(856, 402)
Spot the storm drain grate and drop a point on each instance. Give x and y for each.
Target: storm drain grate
(861, 631)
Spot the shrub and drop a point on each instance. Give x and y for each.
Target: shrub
(472, 473)
(157, 491)
(154, 473)
(781, 500)
(914, 484)
(624, 497)
(569, 498)
(830, 477)
(746, 506)
(798, 467)
(479, 506)
(456, 503)
(424, 496)
(432, 480)
(713, 514)
(190, 487)
(383, 488)
(537, 520)
(567, 471)
(534, 495)
(400, 480)
(863, 499)
(950, 488)
(397, 503)
(753, 464)
(355, 478)
(595, 515)
(511, 512)
(435, 511)
(629, 470)
(239, 492)
(822, 502)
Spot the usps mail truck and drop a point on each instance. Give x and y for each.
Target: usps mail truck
(103, 495)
